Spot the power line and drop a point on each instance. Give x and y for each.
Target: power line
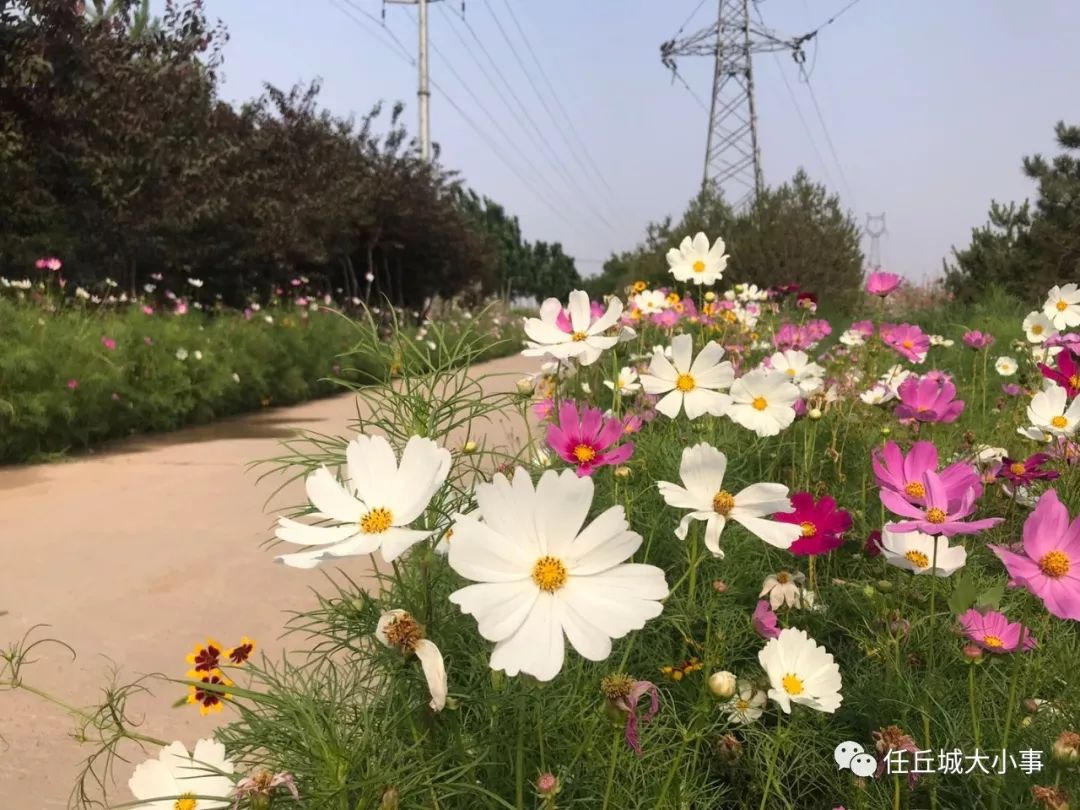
(531, 128)
(686, 22)
(558, 102)
(468, 120)
(382, 25)
(539, 95)
(828, 139)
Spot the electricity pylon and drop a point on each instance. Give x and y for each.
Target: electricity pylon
(875, 229)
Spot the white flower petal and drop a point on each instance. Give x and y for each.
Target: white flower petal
(431, 661)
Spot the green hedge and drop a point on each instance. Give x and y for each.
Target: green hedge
(62, 388)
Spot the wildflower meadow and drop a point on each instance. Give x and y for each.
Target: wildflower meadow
(746, 556)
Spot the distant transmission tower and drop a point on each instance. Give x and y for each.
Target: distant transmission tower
(875, 229)
(732, 150)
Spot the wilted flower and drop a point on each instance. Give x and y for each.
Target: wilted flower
(399, 630)
(1067, 747)
(263, 784)
(785, 588)
(1050, 798)
(623, 694)
(892, 739)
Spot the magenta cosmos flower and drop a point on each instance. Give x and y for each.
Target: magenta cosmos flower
(907, 340)
(881, 283)
(903, 474)
(764, 620)
(977, 340)
(995, 633)
(928, 400)
(1049, 565)
(1026, 471)
(822, 524)
(586, 439)
(943, 511)
(1067, 373)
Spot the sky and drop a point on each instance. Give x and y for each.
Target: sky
(930, 104)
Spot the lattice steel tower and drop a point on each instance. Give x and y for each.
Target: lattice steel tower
(875, 229)
(732, 151)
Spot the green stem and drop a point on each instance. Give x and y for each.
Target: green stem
(671, 774)
(929, 746)
(519, 759)
(1010, 709)
(971, 705)
(613, 758)
(896, 791)
(772, 765)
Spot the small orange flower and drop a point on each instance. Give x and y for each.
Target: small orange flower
(209, 700)
(680, 671)
(206, 657)
(241, 652)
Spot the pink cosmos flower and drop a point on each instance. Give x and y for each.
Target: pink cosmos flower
(586, 440)
(51, 263)
(1067, 373)
(881, 283)
(72, 384)
(977, 340)
(943, 511)
(927, 400)
(1026, 471)
(907, 340)
(148, 310)
(1011, 389)
(995, 633)
(108, 343)
(903, 474)
(596, 311)
(296, 282)
(302, 301)
(543, 409)
(632, 423)
(629, 705)
(149, 341)
(666, 319)
(822, 524)
(764, 620)
(864, 328)
(1049, 565)
(181, 308)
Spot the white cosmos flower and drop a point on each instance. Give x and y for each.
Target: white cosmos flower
(1050, 412)
(176, 778)
(695, 261)
(399, 630)
(626, 383)
(941, 340)
(181, 353)
(374, 507)
(763, 401)
(1062, 306)
(586, 340)
(747, 704)
(650, 302)
(801, 671)
(893, 377)
(785, 588)
(852, 338)
(1038, 327)
(914, 551)
(1006, 366)
(195, 282)
(543, 574)
(878, 395)
(702, 471)
(695, 386)
(807, 376)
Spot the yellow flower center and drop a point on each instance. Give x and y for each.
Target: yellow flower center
(1059, 422)
(549, 574)
(915, 489)
(403, 633)
(583, 453)
(742, 704)
(791, 372)
(760, 403)
(993, 641)
(730, 316)
(808, 528)
(793, 685)
(783, 578)
(1037, 329)
(935, 515)
(699, 266)
(578, 337)
(917, 558)
(1055, 564)
(907, 344)
(1017, 468)
(684, 382)
(186, 802)
(1074, 380)
(723, 502)
(376, 521)
(1062, 305)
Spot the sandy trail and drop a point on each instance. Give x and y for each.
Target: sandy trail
(136, 554)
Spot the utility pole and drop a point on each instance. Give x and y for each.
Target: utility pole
(732, 147)
(875, 229)
(423, 93)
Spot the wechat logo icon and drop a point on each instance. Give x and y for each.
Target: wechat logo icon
(852, 756)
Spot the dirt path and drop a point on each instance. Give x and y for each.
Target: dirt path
(135, 555)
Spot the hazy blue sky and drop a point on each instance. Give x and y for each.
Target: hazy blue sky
(930, 103)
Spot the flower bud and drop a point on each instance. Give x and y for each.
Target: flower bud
(719, 586)
(391, 799)
(972, 653)
(884, 585)
(622, 471)
(547, 784)
(469, 447)
(710, 296)
(729, 748)
(814, 413)
(885, 431)
(1031, 705)
(868, 591)
(526, 386)
(1067, 747)
(722, 684)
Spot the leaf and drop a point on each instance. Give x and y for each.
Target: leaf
(991, 597)
(963, 595)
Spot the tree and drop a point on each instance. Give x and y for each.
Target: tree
(1026, 249)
